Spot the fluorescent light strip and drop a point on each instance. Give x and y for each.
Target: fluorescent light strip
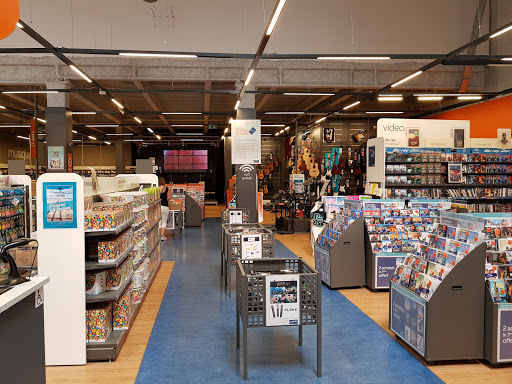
(108, 143)
(500, 32)
(507, 59)
(353, 58)
(39, 91)
(230, 120)
(190, 134)
(76, 140)
(273, 22)
(157, 55)
(74, 131)
(192, 139)
(187, 125)
(284, 113)
(19, 25)
(320, 120)
(102, 126)
(406, 78)
(266, 134)
(133, 140)
(391, 98)
(351, 105)
(277, 134)
(469, 97)
(83, 113)
(23, 137)
(182, 113)
(307, 94)
(117, 103)
(287, 128)
(41, 134)
(281, 131)
(2, 107)
(222, 138)
(83, 75)
(137, 120)
(384, 112)
(226, 130)
(118, 134)
(272, 125)
(249, 77)
(237, 104)
(14, 126)
(149, 129)
(445, 94)
(158, 137)
(92, 138)
(430, 98)
(41, 120)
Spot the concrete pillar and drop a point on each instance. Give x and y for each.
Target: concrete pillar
(120, 155)
(59, 126)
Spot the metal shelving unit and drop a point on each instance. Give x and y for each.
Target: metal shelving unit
(95, 265)
(110, 295)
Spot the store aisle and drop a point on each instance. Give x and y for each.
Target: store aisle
(193, 339)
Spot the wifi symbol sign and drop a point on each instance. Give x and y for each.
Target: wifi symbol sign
(247, 168)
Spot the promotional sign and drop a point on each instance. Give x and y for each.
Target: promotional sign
(297, 183)
(33, 139)
(386, 265)
(408, 318)
(252, 246)
(59, 205)
(282, 306)
(504, 140)
(235, 217)
(70, 162)
(371, 156)
(56, 158)
(318, 219)
(504, 335)
(246, 142)
(9, 16)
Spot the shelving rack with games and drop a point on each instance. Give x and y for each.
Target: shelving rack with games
(339, 248)
(244, 241)
(438, 285)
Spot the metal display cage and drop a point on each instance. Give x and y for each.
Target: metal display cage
(225, 215)
(251, 299)
(231, 246)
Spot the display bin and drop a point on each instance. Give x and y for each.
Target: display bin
(252, 298)
(449, 326)
(228, 213)
(343, 265)
(498, 331)
(232, 246)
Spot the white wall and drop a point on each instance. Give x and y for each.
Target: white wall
(306, 26)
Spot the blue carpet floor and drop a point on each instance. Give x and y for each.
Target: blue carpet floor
(193, 339)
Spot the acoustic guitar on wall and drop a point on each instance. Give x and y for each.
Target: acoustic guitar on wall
(261, 175)
(314, 171)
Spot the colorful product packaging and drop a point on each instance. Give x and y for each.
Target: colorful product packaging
(122, 309)
(98, 321)
(95, 283)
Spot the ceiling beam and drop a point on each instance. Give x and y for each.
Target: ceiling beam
(23, 100)
(153, 103)
(264, 99)
(206, 103)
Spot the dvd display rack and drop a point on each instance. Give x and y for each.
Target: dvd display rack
(441, 283)
(244, 241)
(339, 248)
(277, 292)
(122, 260)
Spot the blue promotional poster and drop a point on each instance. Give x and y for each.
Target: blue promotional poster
(59, 205)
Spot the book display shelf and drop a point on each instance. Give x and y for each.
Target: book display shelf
(392, 230)
(441, 283)
(244, 241)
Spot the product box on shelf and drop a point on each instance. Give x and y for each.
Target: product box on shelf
(116, 277)
(98, 321)
(122, 309)
(95, 283)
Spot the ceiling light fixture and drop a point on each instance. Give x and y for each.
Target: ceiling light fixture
(18, 24)
(192, 139)
(189, 134)
(23, 137)
(351, 105)
(41, 120)
(237, 104)
(38, 91)
(277, 134)
(281, 131)
(390, 98)
(445, 94)
(74, 131)
(406, 78)
(118, 134)
(353, 58)
(384, 112)
(182, 113)
(158, 137)
(83, 75)
(77, 140)
(287, 128)
(275, 16)
(92, 138)
(272, 125)
(117, 103)
(133, 140)
(14, 126)
(83, 113)
(230, 120)
(284, 113)
(108, 143)
(307, 94)
(140, 54)
(430, 98)
(469, 97)
(186, 125)
(506, 59)
(500, 32)
(102, 126)
(249, 77)
(2, 107)
(320, 120)
(226, 130)
(137, 120)
(149, 129)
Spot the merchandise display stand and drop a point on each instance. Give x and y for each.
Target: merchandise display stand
(233, 246)
(379, 266)
(498, 331)
(450, 325)
(343, 264)
(255, 299)
(193, 212)
(234, 216)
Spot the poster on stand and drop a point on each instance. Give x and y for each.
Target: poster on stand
(282, 305)
(246, 142)
(59, 205)
(504, 334)
(235, 217)
(56, 157)
(252, 246)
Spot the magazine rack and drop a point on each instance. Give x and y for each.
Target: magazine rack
(232, 243)
(498, 331)
(226, 215)
(449, 326)
(251, 299)
(343, 265)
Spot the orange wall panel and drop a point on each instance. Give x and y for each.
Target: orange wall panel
(485, 118)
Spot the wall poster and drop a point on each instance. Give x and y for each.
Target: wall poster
(282, 305)
(504, 140)
(371, 156)
(246, 142)
(329, 135)
(59, 205)
(56, 157)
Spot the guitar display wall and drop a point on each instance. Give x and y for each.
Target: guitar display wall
(278, 177)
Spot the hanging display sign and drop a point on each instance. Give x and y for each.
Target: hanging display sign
(33, 139)
(59, 205)
(282, 305)
(70, 162)
(252, 246)
(504, 335)
(235, 217)
(56, 158)
(246, 142)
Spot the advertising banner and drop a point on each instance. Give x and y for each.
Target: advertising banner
(246, 142)
(282, 305)
(59, 205)
(33, 139)
(56, 158)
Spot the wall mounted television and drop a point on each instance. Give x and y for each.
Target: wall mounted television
(185, 160)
